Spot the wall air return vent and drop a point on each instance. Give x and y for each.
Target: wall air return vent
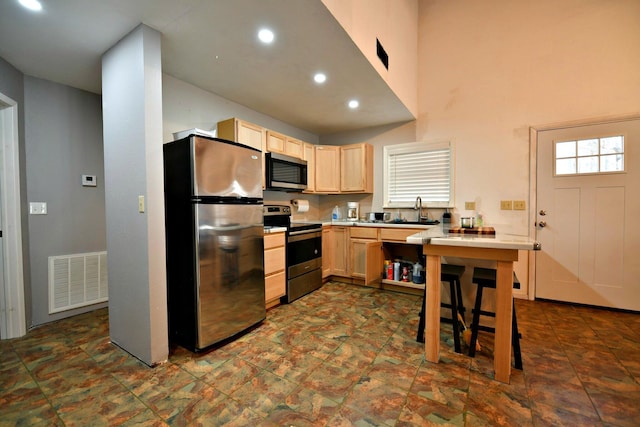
(382, 54)
(77, 280)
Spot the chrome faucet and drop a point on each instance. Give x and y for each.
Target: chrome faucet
(418, 206)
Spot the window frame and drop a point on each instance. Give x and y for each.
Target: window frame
(417, 147)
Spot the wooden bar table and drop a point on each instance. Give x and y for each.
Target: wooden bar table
(502, 249)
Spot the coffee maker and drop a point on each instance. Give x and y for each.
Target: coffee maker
(353, 211)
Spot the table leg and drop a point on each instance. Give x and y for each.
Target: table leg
(504, 311)
(432, 312)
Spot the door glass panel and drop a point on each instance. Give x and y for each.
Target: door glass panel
(565, 166)
(588, 164)
(611, 163)
(611, 145)
(565, 149)
(588, 147)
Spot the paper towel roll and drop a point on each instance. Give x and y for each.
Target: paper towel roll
(300, 205)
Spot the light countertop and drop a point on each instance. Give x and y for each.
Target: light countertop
(438, 236)
(269, 230)
(380, 224)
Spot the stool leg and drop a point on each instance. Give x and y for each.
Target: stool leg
(461, 308)
(454, 318)
(515, 340)
(476, 322)
(420, 337)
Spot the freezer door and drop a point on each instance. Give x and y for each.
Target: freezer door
(224, 169)
(230, 282)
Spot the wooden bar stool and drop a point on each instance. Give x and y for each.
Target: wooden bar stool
(486, 278)
(450, 273)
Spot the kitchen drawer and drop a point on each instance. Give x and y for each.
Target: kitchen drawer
(364, 233)
(274, 260)
(275, 286)
(397, 234)
(273, 240)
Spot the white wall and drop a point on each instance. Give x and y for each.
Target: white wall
(394, 23)
(490, 70)
(186, 106)
(132, 106)
(63, 141)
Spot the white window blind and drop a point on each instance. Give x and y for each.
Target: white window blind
(418, 169)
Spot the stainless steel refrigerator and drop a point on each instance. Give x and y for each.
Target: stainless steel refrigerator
(214, 238)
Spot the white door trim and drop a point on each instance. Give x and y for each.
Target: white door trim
(13, 322)
(533, 169)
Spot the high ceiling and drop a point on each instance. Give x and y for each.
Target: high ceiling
(212, 44)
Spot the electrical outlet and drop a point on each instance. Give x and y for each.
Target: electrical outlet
(470, 206)
(519, 205)
(506, 205)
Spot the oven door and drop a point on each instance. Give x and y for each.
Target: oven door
(304, 263)
(304, 251)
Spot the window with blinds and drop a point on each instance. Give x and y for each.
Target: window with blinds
(418, 169)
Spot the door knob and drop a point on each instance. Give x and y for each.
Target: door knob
(543, 212)
(542, 224)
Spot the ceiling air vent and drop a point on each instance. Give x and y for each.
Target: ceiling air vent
(382, 54)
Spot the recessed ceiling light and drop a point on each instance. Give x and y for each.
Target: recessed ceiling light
(353, 104)
(31, 4)
(265, 35)
(320, 78)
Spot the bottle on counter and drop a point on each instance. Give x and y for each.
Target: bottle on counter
(335, 215)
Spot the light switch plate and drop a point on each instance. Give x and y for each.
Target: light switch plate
(38, 208)
(141, 204)
(470, 206)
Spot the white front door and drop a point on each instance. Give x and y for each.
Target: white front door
(588, 222)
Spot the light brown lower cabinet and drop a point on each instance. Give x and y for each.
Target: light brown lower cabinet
(327, 251)
(340, 250)
(366, 260)
(275, 279)
(357, 254)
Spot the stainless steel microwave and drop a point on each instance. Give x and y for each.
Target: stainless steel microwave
(285, 173)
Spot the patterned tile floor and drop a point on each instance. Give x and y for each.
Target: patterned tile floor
(344, 355)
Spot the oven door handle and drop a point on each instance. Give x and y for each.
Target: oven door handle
(304, 234)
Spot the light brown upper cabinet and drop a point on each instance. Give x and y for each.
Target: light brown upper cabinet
(344, 169)
(332, 169)
(283, 144)
(356, 168)
(243, 132)
(327, 169)
(309, 155)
